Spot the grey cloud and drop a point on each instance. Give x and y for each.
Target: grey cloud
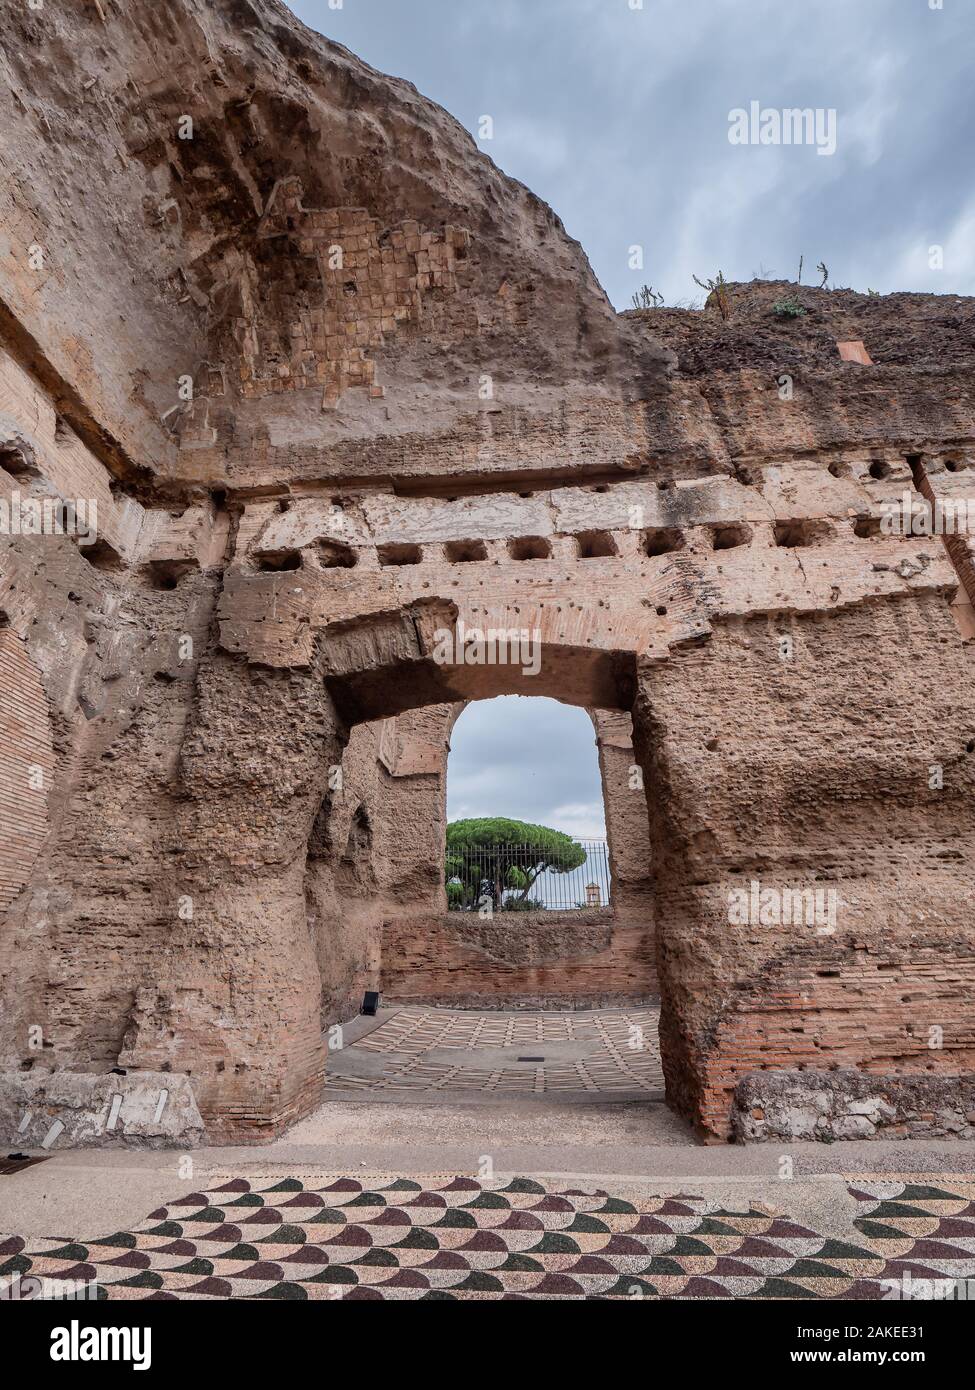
(619, 118)
(531, 759)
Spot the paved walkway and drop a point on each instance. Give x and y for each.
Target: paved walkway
(404, 1239)
(607, 1053)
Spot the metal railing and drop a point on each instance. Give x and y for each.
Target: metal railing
(513, 878)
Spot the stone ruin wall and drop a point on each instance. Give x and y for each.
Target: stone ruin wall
(460, 428)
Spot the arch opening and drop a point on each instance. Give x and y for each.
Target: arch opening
(563, 944)
(526, 821)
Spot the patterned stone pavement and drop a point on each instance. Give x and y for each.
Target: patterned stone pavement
(604, 1052)
(461, 1239)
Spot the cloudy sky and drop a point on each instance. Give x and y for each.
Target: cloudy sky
(531, 759)
(618, 115)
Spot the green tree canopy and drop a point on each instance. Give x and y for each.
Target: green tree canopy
(491, 856)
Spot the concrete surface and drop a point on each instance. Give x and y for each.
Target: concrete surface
(622, 1147)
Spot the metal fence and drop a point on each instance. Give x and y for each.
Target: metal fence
(512, 878)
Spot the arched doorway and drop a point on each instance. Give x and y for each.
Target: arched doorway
(238, 1005)
(534, 975)
(591, 923)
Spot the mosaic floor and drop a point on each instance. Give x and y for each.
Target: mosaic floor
(612, 1051)
(464, 1240)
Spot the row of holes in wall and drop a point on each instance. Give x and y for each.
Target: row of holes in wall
(591, 545)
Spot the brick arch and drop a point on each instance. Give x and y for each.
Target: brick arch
(739, 792)
(385, 664)
(25, 736)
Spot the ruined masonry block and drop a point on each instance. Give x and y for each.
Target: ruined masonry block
(77, 1110)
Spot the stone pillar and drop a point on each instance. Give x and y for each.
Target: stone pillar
(627, 830)
(805, 757)
(234, 996)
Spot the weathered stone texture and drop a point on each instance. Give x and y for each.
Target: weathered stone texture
(822, 777)
(67, 1110)
(376, 849)
(339, 387)
(789, 1105)
(545, 960)
(25, 776)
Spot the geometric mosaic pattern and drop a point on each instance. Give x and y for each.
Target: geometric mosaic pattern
(624, 1052)
(466, 1240)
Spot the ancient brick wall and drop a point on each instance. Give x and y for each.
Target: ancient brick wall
(252, 777)
(839, 774)
(684, 513)
(351, 284)
(890, 1012)
(627, 827)
(545, 960)
(376, 848)
(26, 767)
